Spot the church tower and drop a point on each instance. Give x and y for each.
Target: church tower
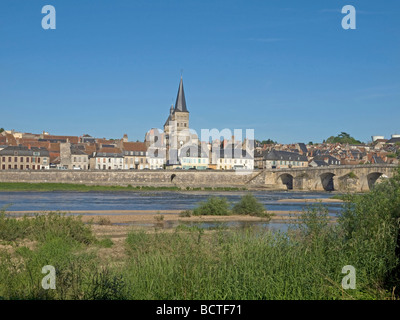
(176, 127)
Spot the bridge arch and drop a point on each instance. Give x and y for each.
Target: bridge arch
(372, 178)
(173, 177)
(327, 181)
(287, 180)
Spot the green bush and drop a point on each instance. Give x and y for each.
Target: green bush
(370, 224)
(45, 226)
(186, 213)
(248, 204)
(216, 206)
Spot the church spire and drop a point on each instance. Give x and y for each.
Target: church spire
(180, 104)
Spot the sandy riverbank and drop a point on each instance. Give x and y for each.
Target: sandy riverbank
(154, 216)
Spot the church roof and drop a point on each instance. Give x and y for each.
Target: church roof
(180, 104)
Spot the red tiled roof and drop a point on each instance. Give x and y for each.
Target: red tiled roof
(134, 146)
(90, 148)
(11, 140)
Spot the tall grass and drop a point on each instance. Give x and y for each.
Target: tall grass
(30, 243)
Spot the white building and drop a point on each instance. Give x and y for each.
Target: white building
(234, 158)
(107, 159)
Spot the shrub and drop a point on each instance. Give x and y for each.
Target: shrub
(248, 204)
(216, 206)
(370, 224)
(103, 221)
(185, 213)
(45, 226)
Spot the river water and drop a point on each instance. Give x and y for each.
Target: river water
(158, 200)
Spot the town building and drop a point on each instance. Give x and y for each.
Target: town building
(24, 158)
(233, 157)
(194, 157)
(107, 159)
(135, 155)
(283, 159)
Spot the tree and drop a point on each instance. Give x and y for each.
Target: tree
(343, 138)
(269, 141)
(1, 130)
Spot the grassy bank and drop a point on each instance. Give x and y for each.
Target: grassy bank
(48, 187)
(190, 263)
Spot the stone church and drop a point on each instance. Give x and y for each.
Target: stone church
(176, 128)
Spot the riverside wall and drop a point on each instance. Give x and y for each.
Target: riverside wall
(156, 178)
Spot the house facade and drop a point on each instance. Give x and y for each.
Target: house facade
(194, 156)
(107, 159)
(235, 158)
(24, 158)
(135, 155)
(283, 159)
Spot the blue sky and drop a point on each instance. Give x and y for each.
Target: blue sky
(284, 68)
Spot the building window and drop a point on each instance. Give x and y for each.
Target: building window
(4, 159)
(38, 160)
(9, 159)
(15, 159)
(21, 167)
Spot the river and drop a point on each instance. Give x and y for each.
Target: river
(157, 200)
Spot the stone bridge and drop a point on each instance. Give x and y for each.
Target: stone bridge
(338, 178)
(346, 178)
